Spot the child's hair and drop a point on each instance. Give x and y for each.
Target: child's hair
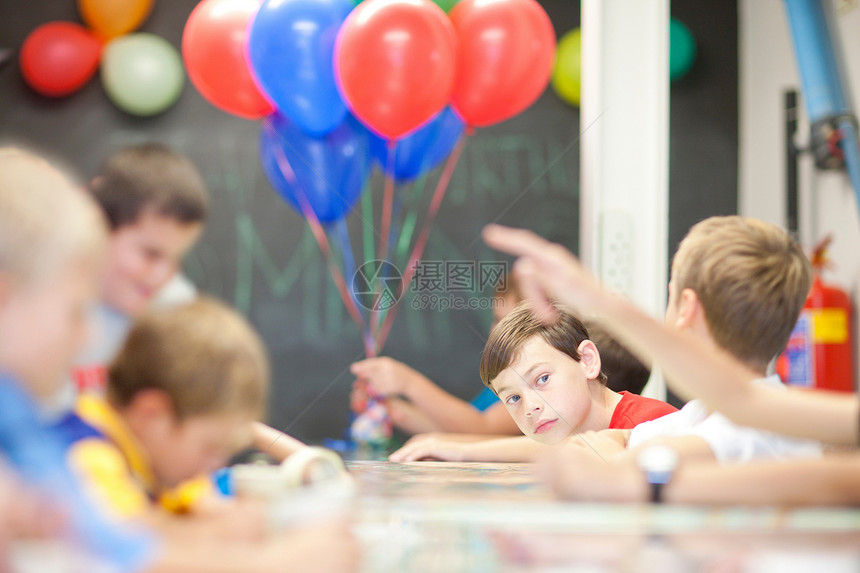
(150, 177)
(203, 355)
(751, 279)
(623, 371)
(45, 221)
(509, 335)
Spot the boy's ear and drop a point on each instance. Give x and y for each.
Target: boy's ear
(689, 309)
(152, 405)
(589, 359)
(5, 288)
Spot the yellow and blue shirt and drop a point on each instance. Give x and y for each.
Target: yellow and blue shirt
(106, 454)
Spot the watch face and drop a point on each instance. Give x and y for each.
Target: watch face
(658, 460)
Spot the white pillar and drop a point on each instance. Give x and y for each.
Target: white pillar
(624, 152)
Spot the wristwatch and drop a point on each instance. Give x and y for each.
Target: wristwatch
(658, 463)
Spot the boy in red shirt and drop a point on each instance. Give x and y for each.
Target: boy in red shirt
(550, 381)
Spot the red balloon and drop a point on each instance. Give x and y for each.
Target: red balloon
(213, 47)
(394, 62)
(58, 58)
(507, 49)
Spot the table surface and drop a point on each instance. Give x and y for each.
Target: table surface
(477, 517)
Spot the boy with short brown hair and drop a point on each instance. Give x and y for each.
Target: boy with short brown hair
(525, 361)
(182, 394)
(549, 379)
(156, 204)
(181, 398)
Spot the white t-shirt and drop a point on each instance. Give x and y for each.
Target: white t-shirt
(729, 442)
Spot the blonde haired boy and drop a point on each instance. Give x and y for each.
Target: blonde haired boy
(738, 284)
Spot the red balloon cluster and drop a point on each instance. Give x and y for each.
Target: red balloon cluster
(399, 62)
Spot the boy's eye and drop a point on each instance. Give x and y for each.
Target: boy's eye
(513, 399)
(542, 380)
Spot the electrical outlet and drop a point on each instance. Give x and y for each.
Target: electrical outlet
(615, 263)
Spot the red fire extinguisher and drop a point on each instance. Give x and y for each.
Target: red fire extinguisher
(819, 353)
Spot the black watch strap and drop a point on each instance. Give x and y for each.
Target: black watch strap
(657, 492)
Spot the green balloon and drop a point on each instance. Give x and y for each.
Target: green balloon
(567, 74)
(682, 49)
(446, 5)
(142, 73)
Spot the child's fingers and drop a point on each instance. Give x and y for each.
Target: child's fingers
(357, 368)
(402, 454)
(552, 260)
(518, 242)
(533, 291)
(408, 453)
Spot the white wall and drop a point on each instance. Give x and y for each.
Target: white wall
(827, 203)
(624, 150)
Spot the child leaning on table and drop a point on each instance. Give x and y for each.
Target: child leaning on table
(549, 379)
(181, 397)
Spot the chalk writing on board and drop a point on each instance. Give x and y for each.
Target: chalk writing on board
(269, 265)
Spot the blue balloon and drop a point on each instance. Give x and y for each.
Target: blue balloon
(423, 149)
(291, 51)
(330, 170)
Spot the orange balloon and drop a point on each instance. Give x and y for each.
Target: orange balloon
(112, 18)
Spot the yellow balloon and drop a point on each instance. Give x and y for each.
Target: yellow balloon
(112, 18)
(568, 70)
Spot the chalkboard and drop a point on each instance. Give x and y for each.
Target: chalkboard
(258, 254)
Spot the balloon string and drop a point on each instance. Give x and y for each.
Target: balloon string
(325, 247)
(421, 242)
(368, 243)
(401, 246)
(387, 202)
(367, 221)
(346, 249)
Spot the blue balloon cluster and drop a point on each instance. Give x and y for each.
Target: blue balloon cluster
(329, 171)
(327, 151)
